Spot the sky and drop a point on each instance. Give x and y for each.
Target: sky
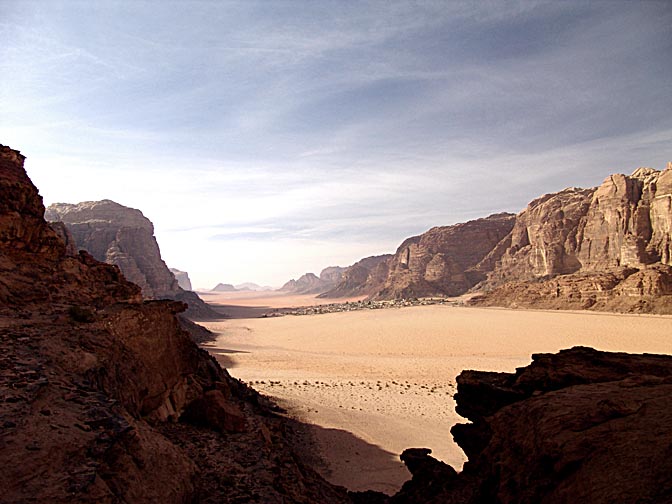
(266, 139)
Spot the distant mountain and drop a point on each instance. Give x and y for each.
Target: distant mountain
(182, 278)
(250, 286)
(312, 284)
(362, 278)
(222, 287)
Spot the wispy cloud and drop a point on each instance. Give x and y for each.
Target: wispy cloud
(328, 122)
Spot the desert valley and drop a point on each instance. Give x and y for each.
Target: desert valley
(326, 252)
(341, 385)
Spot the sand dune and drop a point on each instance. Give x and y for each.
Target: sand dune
(388, 376)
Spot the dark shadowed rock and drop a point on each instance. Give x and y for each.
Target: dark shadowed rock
(577, 426)
(213, 410)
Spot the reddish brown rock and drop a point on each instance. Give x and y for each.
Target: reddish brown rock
(93, 382)
(439, 262)
(604, 249)
(213, 410)
(577, 426)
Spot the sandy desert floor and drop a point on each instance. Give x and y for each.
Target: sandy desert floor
(373, 383)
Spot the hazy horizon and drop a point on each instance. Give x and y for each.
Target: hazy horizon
(265, 140)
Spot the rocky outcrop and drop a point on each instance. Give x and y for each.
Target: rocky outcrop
(606, 248)
(182, 278)
(362, 278)
(106, 399)
(577, 426)
(123, 236)
(441, 261)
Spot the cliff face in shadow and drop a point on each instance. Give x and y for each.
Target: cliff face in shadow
(106, 399)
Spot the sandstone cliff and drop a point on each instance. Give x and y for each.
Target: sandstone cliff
(123, 236)
(603, 248)
(106, 399)
(440, 261)
(182, 278)
(577, 426)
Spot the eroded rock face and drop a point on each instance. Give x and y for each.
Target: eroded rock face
(577, 426)
(123, 236)
(364, 277)
(95, 384)
(604, 248)
(440, 262)
(119, 235)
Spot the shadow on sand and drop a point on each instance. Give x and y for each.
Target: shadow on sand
(344, 459)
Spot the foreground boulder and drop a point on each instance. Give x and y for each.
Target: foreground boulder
(577, 426)
(106, 399)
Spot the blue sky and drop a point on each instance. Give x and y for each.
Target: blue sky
(266, 139)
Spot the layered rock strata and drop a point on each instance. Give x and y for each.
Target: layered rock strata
(604, 248)
(106, 399)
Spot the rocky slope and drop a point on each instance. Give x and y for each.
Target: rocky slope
(603, 248)
(182, 278)
(577, 426)
(123, 236)
(106, 399)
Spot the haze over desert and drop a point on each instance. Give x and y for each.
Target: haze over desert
(388, 376)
